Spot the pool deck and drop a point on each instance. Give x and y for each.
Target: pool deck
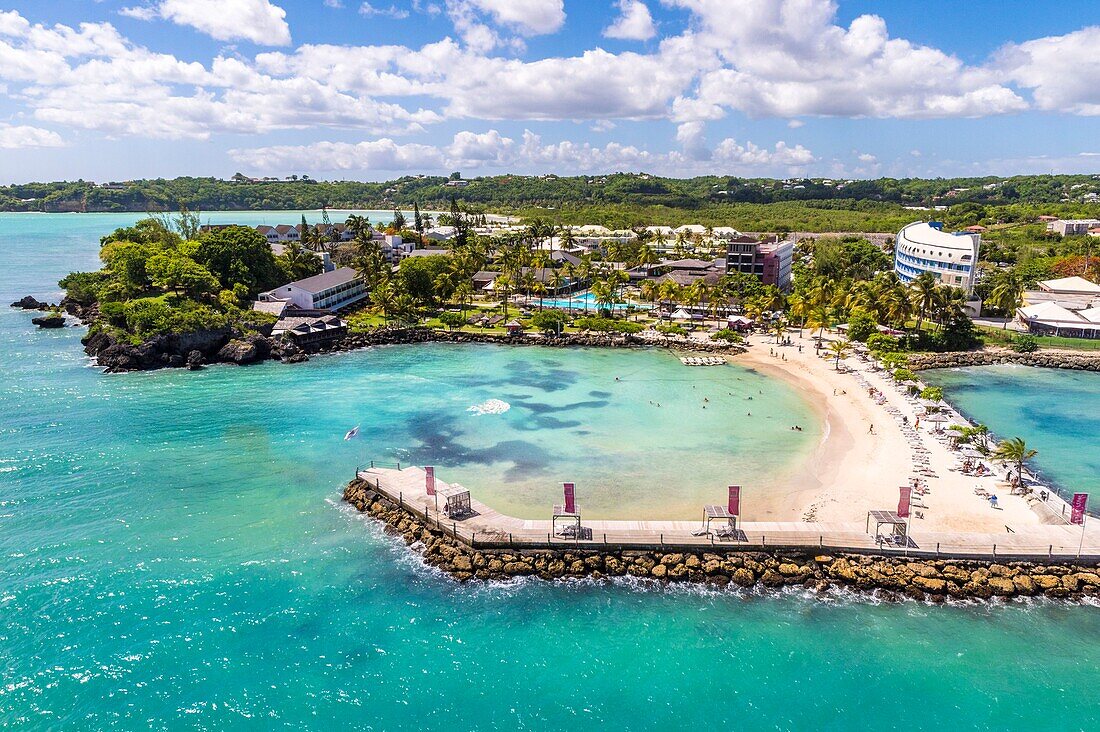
(489, 529)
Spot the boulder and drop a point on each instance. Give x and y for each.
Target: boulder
(195, 360)
(53, 320)
(743, 577)
(29, 303)
(929, 584)
(660, 571)
(240, 351)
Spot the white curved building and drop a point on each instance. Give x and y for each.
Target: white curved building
(926, 247)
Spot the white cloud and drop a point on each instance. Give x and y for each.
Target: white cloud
(749, 154)
(258, 21)
(1063, 72)
(391, 12)
(528, 17)
(385, 155)
(489, 151)
(787, 58)
(21, 136)
(866, 158)
(334, 4)
(634, 22)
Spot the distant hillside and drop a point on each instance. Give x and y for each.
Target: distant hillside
(622, 199)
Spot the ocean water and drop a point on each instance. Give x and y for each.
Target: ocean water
(1057, 412)
(174, 555)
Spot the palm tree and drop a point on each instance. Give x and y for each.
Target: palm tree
(923, 295)
(819, 320)
(1014, 451)
(670, 291)
(1007, 296)
(651, 291)
(779, 329)
(464, 293)
(840, 350)
(383, 297)
(503, 284)
(603, 293)
(798, 308)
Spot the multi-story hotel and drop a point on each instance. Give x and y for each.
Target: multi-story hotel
(926, 247)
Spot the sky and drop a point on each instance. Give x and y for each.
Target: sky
(345, 89)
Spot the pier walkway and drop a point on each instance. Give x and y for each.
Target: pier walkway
(487, 528)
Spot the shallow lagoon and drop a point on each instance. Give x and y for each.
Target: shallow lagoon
(173, 555)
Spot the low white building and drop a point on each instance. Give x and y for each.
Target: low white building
(1072, 227)
(326, 291)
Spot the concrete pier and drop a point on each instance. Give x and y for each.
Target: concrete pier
(489, 529)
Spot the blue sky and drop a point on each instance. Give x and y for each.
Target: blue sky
(118, 89)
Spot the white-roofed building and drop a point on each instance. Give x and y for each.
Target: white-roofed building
(925, 247)
(1051, 318)
(326, 291)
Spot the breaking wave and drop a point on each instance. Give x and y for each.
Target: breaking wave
(490, 406)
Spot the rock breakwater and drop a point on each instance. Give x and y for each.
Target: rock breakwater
(991, 357)
(890, 577)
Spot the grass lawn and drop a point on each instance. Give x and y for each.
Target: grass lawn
(1000, 337)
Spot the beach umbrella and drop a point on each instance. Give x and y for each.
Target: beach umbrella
(936, 417)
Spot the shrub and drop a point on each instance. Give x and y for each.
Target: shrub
(861, 326)
(882, 343)
(903, 375)
(932, 393)
(550, 321)
(452, 320)
(608, 325)
(672, 330)
(1025, 343)
(730, 336)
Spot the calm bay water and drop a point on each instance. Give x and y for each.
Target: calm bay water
(173, 554)
(1056, 411)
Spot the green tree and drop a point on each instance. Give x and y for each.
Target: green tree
(173, 271)
(1014, 451)
(239, 255)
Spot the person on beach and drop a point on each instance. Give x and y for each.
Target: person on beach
(872, 430)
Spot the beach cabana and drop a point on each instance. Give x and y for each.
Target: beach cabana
(727, 513)
(456, 501)
(514, 327)
(680, 314)
(567, 511)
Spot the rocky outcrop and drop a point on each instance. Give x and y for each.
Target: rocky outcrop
(893, 577)
(230, 346)
(243, 351)
(158, 351)
(195, 360)
(990, 357)
(52, 320)
(387, 336)
(30, 303)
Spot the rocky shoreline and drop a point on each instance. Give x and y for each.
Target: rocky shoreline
(888, 577)
(229, 345)
(990, 357)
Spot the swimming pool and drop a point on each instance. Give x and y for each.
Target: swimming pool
(588, 300)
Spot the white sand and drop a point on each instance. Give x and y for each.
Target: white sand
(853, 471)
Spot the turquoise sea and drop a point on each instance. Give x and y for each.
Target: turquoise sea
(1056, 411)
(174, 555)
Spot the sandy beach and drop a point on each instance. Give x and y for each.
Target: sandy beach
(854, 470)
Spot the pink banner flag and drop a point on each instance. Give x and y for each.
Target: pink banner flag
(429, 479)
(1080, 501)
(735, 500)
(570, 498)
(904, 501)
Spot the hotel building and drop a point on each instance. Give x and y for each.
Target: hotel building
(925, 247)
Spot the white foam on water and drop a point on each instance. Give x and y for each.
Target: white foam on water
(490, 406)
